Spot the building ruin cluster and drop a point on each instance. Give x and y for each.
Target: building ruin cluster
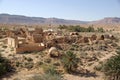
(37, 39)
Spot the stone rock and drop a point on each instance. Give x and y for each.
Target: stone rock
(53, 52)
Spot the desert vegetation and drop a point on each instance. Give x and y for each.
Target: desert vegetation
(70, 61)
(86, 52)
(5, 66)
(78, 28)
(111, 67)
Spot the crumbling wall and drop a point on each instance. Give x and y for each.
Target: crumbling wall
(38, 38)
(12, 42)
(29, 48)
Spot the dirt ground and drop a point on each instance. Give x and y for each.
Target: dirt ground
(23, 74)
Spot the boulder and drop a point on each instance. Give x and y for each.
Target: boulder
(53, 52)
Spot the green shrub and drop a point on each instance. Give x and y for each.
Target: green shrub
(72, 48)
(18, 64)
(98, 67)
(90, 29)
(4, 46)
(100, 30)
(118, 52)
(118, 47)
(4, 66)
(29, 59)
(29, 65)
(70, 62)
(112, 68)
(75, 46)
(47, 60)
(50, 73)
(62, 27)
(2, 69)
(49, 69)
(40, 63)
(77, 28)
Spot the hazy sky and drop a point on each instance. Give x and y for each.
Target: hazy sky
(85, 10)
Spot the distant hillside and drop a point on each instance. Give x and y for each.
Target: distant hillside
(108, 20)
(18, 19)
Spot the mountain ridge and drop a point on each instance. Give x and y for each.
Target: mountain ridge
(21, 19)
(107, 20)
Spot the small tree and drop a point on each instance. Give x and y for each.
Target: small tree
(100, 30)
(69, 61)
(90, 29)
(62, 27)
(4, 66)
(112, 68)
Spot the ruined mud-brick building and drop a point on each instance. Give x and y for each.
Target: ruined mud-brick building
(25, 40)
(37, 39)
(32, 39)
(20, 45)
